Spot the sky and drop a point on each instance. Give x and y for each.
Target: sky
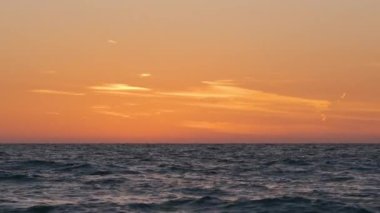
(189, 71)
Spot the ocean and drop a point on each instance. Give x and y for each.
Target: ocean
(190, 178)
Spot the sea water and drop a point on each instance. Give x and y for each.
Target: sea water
(190, 178)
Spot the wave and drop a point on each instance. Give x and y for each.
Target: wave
(32, 209)
(6, 176)
(41, 209)
(40, 163)
(288, 161)
(106, 181)
(202, 191)
(338, 179)
(278, 204)
(101, 173)
(189, 178)
(17, 178)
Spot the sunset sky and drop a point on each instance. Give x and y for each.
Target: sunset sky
(189, 71)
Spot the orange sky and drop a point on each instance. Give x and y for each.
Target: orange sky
(189, 71)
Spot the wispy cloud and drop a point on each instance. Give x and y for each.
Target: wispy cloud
(223, 94)
(119, 88)
(223, 127)
(115, 111)
(355, 118)
(136, 94)
(145, 75)
(56, 92)
(343, 96)
(154, 113)
(115, 114)
(110, 41)
(238, 106)
(106, 110)
(130, 104)
(326, 114)
(100, 107)
(231, 96)
(225, 82)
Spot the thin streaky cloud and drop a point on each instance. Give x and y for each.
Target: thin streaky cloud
(119, 87)
(225, 82)
(343, 96)
(130, 104)
(227, 91)
(239, 107)
(357, 118)
(112, 113)
(110, 41)
(107, 110)
(56, 92)
(224, 127)
(362, 109)
(99, 107)
(119, 93)
(196, 94)
(154, 113)
(145, 75)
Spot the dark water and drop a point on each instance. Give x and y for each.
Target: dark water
(190, 178)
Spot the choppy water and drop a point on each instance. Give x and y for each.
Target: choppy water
(190, 178)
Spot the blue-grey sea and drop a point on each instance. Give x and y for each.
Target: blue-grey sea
(190, 178)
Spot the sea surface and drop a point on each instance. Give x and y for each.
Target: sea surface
(190, 178)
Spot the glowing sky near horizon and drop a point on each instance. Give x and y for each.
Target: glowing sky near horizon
(169, 70)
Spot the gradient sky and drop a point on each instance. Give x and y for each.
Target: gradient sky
(190, 71)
